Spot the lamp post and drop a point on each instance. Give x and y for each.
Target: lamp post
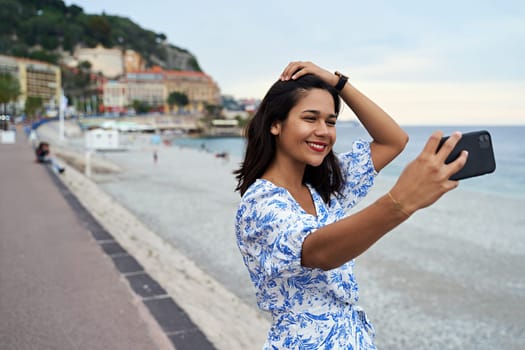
(61, 110)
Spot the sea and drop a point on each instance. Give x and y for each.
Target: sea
(448, 278)
(508, 180)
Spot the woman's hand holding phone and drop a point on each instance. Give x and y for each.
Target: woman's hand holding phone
(427, 178)
(481, 154)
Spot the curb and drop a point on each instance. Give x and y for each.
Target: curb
(175, 323)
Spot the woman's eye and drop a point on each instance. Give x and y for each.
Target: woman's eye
(331, 122)
(310, 118)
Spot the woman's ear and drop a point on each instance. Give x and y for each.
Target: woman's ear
(275, 129)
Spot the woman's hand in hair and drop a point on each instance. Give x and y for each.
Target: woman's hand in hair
(295, 70)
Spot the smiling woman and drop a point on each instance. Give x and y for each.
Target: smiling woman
(291, 224)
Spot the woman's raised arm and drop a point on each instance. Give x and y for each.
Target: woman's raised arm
(388, 137)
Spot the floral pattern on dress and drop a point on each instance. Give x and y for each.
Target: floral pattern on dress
(311, 308)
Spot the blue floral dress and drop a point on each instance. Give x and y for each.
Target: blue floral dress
(311, 308)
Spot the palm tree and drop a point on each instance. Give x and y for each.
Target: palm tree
(33, 104)
(9, 89)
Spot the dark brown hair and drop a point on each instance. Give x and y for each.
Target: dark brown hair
(260, 143)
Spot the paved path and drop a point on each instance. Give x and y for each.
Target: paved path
(64, 282)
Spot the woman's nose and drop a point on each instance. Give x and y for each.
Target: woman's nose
(321, 128)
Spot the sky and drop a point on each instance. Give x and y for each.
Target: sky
(444, 62)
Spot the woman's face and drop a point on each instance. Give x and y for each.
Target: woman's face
(308, 134)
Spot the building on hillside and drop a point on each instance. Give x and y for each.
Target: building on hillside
(199, 87)
(105, 64)
(36, 79)
(108, 62)
(116, 99)
(84, 90)
(147, 86)
(153, 86)
(133, 61)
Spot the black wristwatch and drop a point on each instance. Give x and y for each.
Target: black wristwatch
(342, 81)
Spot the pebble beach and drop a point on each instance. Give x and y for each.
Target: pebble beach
(451, 277)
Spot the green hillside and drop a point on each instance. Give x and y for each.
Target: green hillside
(44, 29)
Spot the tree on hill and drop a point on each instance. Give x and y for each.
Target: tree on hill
(40, 29)
(140, 107)
(178, 99)
(9, 89)
(32, 106)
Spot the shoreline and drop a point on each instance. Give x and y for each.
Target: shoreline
(447, 278)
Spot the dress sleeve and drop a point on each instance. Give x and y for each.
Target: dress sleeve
(270, 233)
(358, 173)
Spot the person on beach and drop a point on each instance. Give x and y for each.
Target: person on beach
(292, 224)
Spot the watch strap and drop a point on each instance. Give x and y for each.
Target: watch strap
(342, 81)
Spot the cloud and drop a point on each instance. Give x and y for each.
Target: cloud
(430, 103)
(445, 103)
(413, 65)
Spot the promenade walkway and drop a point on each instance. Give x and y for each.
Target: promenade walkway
(64, 282)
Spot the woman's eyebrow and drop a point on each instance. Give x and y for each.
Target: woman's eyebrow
(316, 112)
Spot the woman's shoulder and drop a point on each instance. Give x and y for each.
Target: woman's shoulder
(358, 149)
(358, 159)
(264, 195)
(262, 188)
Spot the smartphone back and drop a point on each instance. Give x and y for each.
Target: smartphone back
(480, 159)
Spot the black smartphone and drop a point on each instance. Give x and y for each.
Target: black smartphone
(480, 159)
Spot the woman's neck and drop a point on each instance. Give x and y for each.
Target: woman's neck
(285, 175)
(291, 179)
